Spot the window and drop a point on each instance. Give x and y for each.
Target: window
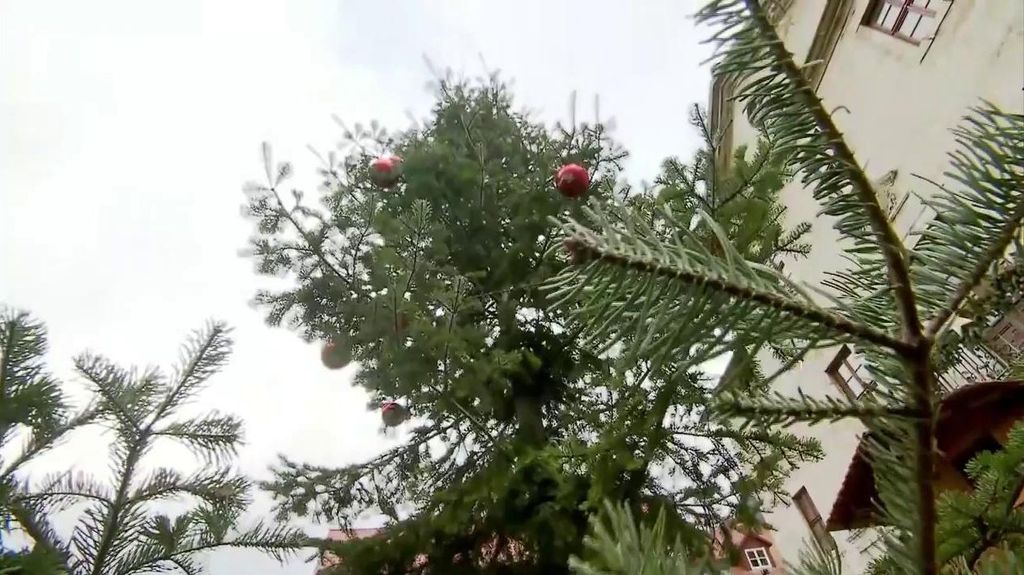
(721, 118)
(758, 557)
(910, 20)
(830, 27)
(806, 506)
(847, 372)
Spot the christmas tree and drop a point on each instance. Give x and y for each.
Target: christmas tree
(118, 528)
(895, 304)
(425, 261)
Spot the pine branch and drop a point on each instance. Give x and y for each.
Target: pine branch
(784, 411)
(203, 355)
(749, 177)
(28, 395)
(888, 240)
(213, 437)
(61, 490)
(684, 263)
(115, 517)
(216, 486)
(40, 443)
(120, 394)
(278, 211)
(618, 546)
(36, 526)
(279, 542)
(977, 224)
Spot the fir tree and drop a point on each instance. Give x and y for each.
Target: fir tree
(520, 427)
(34, 412)
(118, 530)
(895, 304)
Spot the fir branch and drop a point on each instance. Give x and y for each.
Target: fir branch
(976, 225)
(888, 240)
(121, 396)
(203, 355)
(115, 521)
(36, 526)
(284, 170)
(29, 396)
(67, 488)
(784, 411)
(213, 437)
(279, 542)
(40, 443)
(216, 486)
(586, 246)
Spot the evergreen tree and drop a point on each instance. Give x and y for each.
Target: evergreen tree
(520, 428)
(895, 304)
(118, 530)
(34, 412)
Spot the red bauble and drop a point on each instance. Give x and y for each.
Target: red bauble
(385, 170)
(572, 180)
(393, 413)
(335, 355)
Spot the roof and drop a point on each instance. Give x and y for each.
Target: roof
(355, 533)
(855, 506)
(739, 535)
(328, 559)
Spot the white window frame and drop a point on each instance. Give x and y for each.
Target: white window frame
(758, 557)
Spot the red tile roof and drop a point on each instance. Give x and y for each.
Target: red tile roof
(510, 551)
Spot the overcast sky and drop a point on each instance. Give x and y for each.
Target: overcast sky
(128, 127)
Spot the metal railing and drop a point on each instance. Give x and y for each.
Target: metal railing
(971, 365)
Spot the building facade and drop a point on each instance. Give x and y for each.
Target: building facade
(747, 552)
(897, 75)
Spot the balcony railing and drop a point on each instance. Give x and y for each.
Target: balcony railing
(1004, 345)
(971, 365)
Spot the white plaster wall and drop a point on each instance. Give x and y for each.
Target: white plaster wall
(901, 109)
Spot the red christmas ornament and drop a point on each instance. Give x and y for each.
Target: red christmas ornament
(572, 180)
(335, 355)
(393, 413)
(385, 170)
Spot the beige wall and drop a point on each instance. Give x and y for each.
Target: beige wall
(901, 109)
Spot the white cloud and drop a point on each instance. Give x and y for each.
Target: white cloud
(128, 128)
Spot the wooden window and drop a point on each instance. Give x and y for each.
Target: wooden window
(830, 27)
(910, 20)
(758, 557)
(806, 506)
(848, 374)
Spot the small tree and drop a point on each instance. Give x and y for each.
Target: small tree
(894, 304)
(119, 530)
